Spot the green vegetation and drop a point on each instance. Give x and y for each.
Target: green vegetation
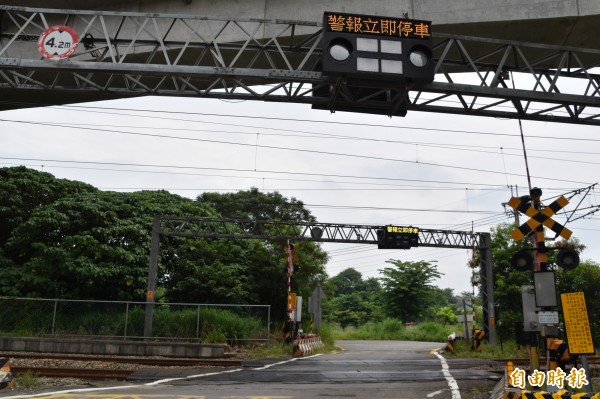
(327, 337)
(210, 325)
(277, 349)
(28, 380)
(408, 289)
(394, 329)
(507, 350)
(405, 293)
(69, 240)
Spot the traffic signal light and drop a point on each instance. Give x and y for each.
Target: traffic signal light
(398, 237)
(567, 258)
(377, 48)
(522, 260)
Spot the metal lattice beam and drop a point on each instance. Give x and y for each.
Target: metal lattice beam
(196, 227)
(136, 54)
(305, 231)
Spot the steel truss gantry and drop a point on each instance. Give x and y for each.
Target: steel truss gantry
(220, 228)
(124, 54)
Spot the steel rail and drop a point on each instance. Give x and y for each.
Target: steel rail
(66, 372)
(146, 360)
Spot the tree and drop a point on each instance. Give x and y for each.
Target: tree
(352, 300)
(23, 190)
(255, 205)
(64, 239)
(407, 288)
(446, 315)
(346, 282)
(350, 309)
(440, 298)
(266, 272)
(91, 245)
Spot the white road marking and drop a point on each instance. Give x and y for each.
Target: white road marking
(45, 394)
(167, 380)
(158, 382)
(432, 394)
(451, 381)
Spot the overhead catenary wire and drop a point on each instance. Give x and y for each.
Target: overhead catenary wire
(319, 152)
(310, 121)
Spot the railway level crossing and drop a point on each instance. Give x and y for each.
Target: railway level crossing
(122, 54)
(219, 228)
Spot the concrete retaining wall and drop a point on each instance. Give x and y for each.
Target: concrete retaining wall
(111, 347)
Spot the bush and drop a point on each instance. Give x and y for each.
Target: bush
(326, 334)
(215, 325)
(431, 332)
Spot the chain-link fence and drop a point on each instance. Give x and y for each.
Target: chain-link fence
(208, 323)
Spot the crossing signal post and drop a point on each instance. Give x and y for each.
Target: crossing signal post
(290, 326)
(546, 306)
(370, 47)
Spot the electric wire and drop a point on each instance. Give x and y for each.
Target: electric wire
(313, 135)
(309, 121)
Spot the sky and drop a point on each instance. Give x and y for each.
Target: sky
(435, 171)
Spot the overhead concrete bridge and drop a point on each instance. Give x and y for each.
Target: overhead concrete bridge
(270, 51)
(562, 22)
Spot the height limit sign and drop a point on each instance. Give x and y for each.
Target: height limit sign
(58, 42)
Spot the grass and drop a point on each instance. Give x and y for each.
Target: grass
(275, 350)
(327, 337)
(210, 325)
(28, 379)
(393, 329)
(506, 350)
(480, 391)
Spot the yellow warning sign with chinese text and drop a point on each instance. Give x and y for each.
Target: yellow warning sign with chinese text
(579, 334)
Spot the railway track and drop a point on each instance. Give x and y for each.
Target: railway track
(66, 372)
(146, 361)
(101, 367)
(120, 368)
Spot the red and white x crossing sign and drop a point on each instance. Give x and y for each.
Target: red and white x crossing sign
(539, 217)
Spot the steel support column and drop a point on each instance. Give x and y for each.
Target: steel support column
(152, 277)
(487, 287)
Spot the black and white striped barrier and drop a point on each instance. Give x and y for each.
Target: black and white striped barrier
(306, 346)
(6, 378)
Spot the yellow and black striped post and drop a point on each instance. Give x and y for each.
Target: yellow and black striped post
(562, 394)
(540, 256)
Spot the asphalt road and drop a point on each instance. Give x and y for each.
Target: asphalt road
(363, 370)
